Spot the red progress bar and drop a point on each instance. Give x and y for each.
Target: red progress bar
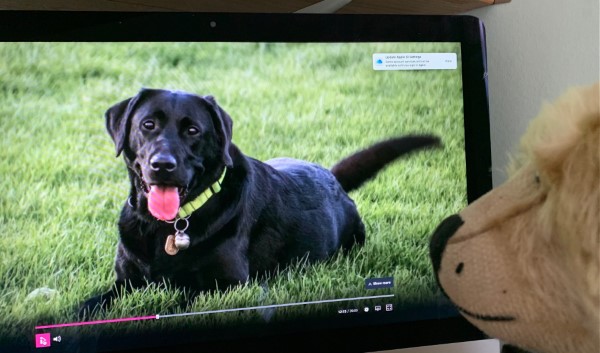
(97, 322)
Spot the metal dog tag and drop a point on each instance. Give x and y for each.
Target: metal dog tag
(170, 247)
(182, 240)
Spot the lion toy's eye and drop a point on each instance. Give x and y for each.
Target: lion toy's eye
(537, 178)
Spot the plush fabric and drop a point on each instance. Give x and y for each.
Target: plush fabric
(522, 262)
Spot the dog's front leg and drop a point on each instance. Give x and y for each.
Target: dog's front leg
(130, 275)
(105, 300)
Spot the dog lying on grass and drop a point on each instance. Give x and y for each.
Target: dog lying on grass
(201, 214)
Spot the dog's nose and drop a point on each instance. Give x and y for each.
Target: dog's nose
(440, 238)
(163, 162)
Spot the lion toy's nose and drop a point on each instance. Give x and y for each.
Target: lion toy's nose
(440, 238)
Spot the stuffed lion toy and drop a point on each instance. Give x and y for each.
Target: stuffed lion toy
(522, 262)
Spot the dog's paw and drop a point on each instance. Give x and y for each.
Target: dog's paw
(92, 306)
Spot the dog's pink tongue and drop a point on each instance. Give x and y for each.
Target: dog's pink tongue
(163, 202)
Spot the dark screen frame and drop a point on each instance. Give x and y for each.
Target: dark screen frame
(38, 26)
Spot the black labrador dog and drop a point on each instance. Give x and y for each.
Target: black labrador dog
(203, 216)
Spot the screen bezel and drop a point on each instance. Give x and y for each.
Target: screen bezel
(20, 26)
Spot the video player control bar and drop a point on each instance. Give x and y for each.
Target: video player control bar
(158, 316)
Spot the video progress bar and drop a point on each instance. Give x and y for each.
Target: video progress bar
(274, 306)
(158, 316)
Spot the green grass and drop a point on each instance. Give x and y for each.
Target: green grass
(62, 188)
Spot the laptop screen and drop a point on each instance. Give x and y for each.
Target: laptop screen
(199, 232)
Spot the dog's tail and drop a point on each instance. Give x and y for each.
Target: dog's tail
(363, 165)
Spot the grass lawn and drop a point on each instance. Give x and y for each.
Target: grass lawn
(62, 187)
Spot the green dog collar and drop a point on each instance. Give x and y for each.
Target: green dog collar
(189, 208)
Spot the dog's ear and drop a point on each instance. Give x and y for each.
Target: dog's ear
(118, 121)
(223, 124)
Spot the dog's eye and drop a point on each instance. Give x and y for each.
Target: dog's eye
(192, 130)
(148, 125)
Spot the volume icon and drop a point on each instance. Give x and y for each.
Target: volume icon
(56, 339)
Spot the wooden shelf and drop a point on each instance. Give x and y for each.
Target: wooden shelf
(272, 6)
(430, 7)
